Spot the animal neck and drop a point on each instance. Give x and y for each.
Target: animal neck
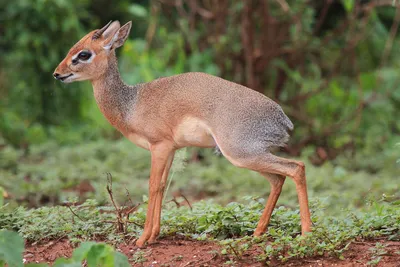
(110, 82)
(114, 98)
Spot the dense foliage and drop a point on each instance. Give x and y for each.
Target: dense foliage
(331, 64)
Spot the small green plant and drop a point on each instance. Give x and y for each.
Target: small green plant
(355, 204)
(139, 257)
(232, 224)
(237, 247)
(376, 254)
(178, 258)
(95, 254)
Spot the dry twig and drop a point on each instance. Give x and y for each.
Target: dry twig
(121, 227)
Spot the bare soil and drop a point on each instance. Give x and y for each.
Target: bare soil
(174, 251)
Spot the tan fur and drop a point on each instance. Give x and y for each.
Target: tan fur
(191, 109)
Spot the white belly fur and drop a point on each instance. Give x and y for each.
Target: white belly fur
(193, 132)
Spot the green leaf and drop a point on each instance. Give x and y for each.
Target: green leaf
(97, 254)
(100, 254)
(368, 81)
(2, 193)
(348, 5)
(120, 260)
(138, 10)
(81, 252)
(63, 262)
(11, 248)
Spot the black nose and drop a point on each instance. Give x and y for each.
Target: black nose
(56, 75)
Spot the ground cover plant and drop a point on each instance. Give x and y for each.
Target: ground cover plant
(229, 226)
(94, 254)
(50, 174)
(346, 206)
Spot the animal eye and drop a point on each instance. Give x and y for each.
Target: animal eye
(84, 55)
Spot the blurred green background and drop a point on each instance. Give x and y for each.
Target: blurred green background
(332, 65)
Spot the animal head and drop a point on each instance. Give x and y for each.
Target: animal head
(88, 58)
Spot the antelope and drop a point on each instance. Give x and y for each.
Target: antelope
(190, 109)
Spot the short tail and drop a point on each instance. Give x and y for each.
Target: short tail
(288, 123)
(288, 127)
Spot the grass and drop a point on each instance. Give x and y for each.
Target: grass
(49, 175)
(345, 205)
(230, 225)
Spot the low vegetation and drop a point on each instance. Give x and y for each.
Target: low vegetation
(346, 206)
(49, 174)
(94, 254)
(230, 225)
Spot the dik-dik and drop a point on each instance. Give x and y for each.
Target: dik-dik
(190, 109)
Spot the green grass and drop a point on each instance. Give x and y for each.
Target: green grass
(48, 174)
(231, 225)
(345, 205)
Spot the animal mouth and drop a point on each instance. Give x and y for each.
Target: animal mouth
(65, 77)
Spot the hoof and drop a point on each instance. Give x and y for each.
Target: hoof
(140, 243)
(153, 238)
(258, 233)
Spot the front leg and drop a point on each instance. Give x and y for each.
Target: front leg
(158, 204)
(160, 153)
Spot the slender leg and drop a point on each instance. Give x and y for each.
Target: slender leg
(157, 210)
(285, 167)
(276, 182)
(295, 170)
(159, 160)
(301, 188)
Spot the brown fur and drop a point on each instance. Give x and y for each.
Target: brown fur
(191, 109)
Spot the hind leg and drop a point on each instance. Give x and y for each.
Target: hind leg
(265, 162)
(276, 182)
(295, 170)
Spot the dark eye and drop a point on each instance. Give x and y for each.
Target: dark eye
(84, 55)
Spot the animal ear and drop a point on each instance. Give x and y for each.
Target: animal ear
(111, 30)
(119, 36)
(108, 30)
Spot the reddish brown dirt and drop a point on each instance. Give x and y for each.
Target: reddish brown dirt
(47, 252)
(181, 252)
